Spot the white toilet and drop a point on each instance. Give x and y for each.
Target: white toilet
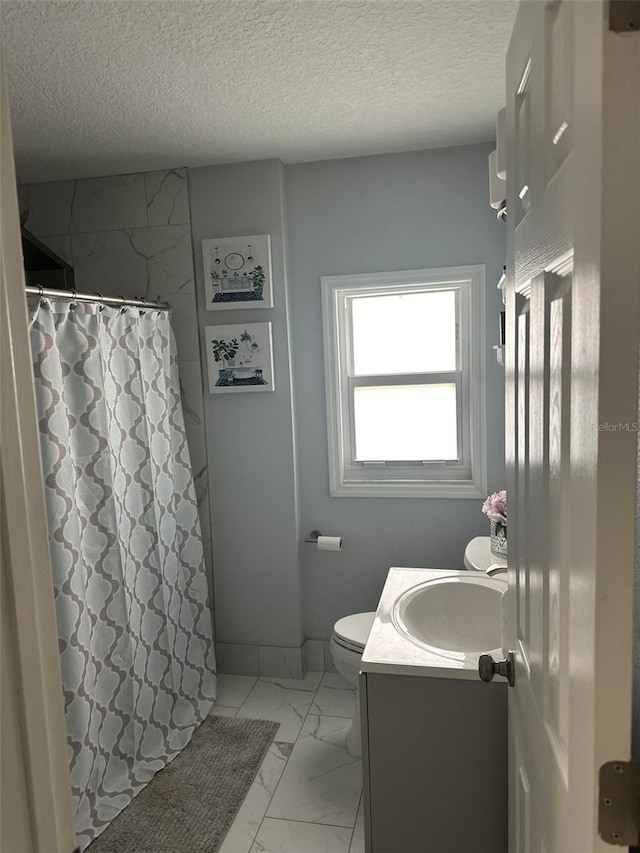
(350, 634)
(478, 557)
(349, 638)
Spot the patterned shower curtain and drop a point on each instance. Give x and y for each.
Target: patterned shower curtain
(134, 623)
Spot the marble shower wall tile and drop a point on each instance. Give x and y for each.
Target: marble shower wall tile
(205, 527)
(106, 204)
(23, 204)
(184, 320)
(198, 454)
(167, 197)
(60, 244)
(357, 842)
(50, 207)
(112, 203)
(145, 262)
(208, 565)
(191, 389)
(201, 482)
(108, 262)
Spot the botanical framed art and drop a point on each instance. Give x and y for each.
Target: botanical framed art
(237, 272)
(240, 358)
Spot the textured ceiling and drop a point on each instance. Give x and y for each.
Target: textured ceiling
(105, 86)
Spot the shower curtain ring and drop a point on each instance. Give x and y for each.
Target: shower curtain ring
(123, 304)
(101, 301)
(40, 291)
(73, 304)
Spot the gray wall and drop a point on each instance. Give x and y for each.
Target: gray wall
(268, 452)
(130, 234)
(250, 436)
(371, 214)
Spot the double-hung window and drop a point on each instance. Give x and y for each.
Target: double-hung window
(404, 363)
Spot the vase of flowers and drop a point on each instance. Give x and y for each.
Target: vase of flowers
(495, 508)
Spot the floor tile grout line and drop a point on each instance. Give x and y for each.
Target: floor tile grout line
(312, 822)
(292, 820)
(264, 816)
(251, 689)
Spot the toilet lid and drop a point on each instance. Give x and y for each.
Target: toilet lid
(354, 629)
(478, 556)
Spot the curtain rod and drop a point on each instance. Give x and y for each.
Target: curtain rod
(73, 296)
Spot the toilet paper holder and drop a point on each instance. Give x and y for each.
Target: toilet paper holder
(312, 538)
(324, 543)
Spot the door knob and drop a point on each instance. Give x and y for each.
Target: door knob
(488, 667)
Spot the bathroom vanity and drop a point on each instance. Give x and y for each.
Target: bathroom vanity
(434, 737)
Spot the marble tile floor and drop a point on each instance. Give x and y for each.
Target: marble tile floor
(307, 797)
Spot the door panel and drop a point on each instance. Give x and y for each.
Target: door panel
(573, 317)
(522, 495)
(556, 694)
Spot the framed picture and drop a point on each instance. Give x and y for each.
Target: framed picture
(240, 358)
(237, 272)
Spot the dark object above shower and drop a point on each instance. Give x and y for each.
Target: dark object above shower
(42, 267)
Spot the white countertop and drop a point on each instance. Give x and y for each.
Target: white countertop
(390, 653)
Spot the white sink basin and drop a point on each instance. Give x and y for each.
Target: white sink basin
(456, 617)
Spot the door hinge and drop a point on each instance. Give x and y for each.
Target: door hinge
(619, 803)
(624, 16)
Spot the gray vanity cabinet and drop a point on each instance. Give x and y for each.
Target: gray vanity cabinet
(434, 763)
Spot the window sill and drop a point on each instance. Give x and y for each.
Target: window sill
(407, 489)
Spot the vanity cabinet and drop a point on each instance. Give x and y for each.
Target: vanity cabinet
(434, 764)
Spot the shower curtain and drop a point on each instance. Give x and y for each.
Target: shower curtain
(134, 624)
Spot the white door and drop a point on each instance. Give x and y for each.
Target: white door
(573, 315)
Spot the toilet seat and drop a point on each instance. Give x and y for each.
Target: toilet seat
(352, 632)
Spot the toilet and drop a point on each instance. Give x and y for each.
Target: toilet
(347, 644)
(478, 557)
(350, 633)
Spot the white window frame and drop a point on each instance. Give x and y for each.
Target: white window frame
(462, 478)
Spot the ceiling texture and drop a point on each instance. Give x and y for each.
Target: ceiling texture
(111, 86)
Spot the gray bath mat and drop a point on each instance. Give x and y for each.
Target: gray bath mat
(190, 805)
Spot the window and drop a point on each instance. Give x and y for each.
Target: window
(404, 362)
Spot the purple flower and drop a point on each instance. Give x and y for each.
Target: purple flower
(495, 507)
